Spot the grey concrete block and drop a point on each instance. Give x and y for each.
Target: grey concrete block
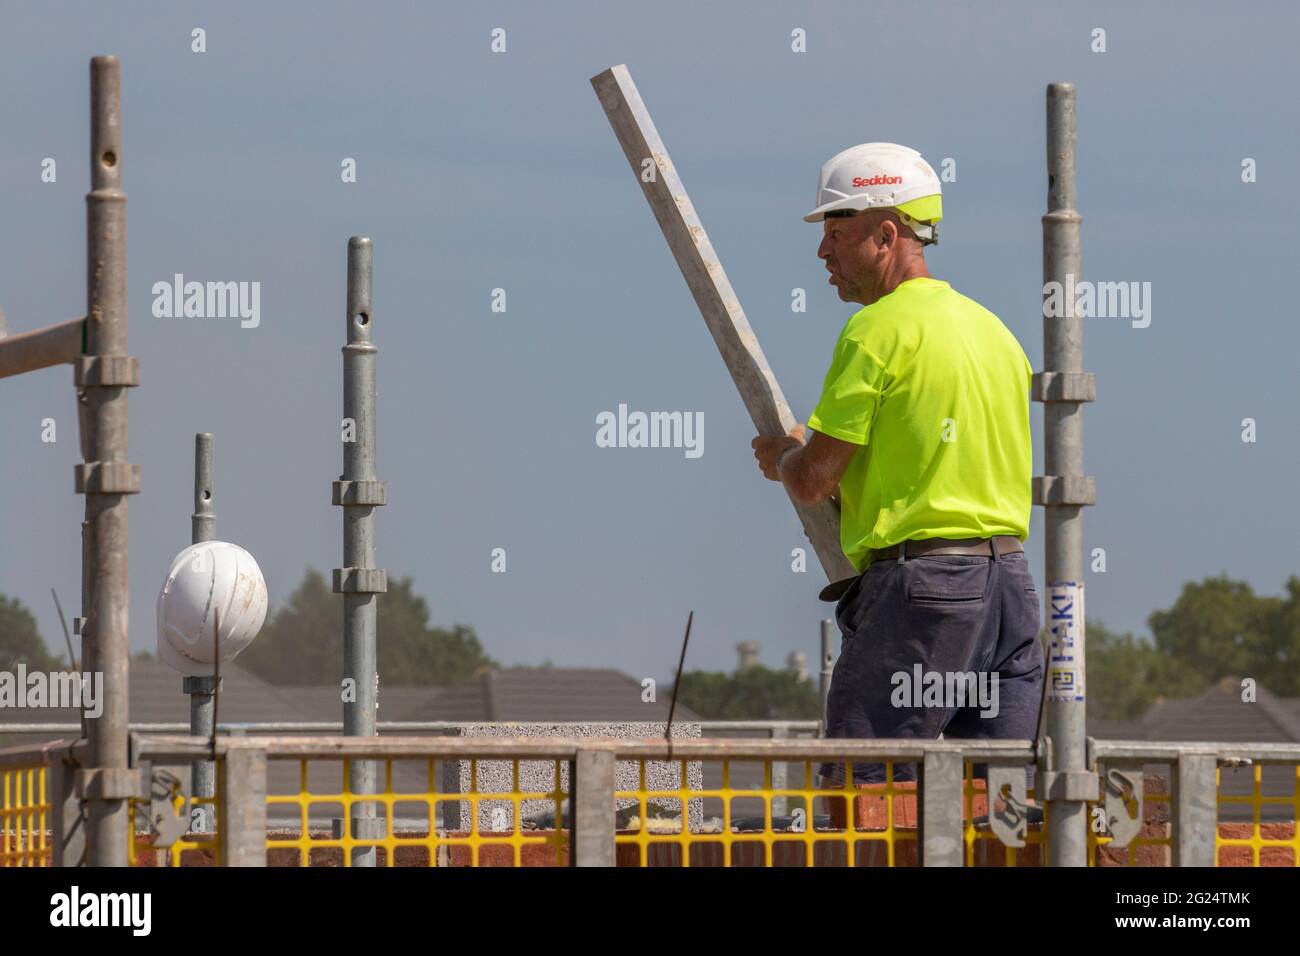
(539, 776)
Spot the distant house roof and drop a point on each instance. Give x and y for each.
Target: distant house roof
(1112, 729)
(1218, 714)
(605, 695)
(545, 695)
(156, 697)
(325, 702)
(1221, 714)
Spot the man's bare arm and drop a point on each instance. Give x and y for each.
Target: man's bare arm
(811, 472)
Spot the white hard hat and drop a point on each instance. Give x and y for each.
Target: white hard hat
(881, 176)
(214, 576)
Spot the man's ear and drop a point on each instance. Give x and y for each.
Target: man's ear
(887, 230)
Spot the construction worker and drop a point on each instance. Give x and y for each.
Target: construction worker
(922, 429)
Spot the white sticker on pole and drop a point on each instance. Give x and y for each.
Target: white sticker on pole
(1065, 641)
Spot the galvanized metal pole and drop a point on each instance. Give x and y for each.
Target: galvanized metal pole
(828, 665)
(107, 478)
(203, 523)
(203, 688)
(359, 493)
(1063, 491)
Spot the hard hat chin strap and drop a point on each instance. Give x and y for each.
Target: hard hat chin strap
(927, 232)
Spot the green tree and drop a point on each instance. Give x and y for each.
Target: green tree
(20, 640)
(1281, 655)
(1218, 627)
(756, 693)
(1126, 674)
(302, 642)
(411, 652)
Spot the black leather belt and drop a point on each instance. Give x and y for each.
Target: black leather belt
(1005, 544)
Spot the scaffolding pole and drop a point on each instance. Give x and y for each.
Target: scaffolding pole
(103, 375)
(1064, 491)
(202, 689)
(359, 492)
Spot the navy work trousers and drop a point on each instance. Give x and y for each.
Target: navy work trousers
(954, 616)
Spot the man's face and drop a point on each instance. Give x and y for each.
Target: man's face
(854, 255)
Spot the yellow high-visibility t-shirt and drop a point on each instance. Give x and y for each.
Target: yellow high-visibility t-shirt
(936, 390)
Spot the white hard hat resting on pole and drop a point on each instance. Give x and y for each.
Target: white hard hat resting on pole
(212, 578)
(881, 176)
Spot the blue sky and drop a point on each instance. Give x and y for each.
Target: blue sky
(479, 171)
